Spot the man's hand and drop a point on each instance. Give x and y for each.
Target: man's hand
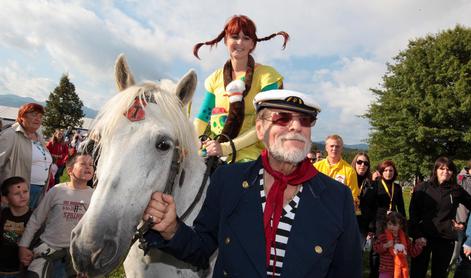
(457, 226)
(25, 255)
(162, 210)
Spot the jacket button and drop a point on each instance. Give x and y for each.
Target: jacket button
(224, 273)
(318, 249)
(227, 240)
(245, 184)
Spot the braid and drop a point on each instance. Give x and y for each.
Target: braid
(281, 33)
(211, 43)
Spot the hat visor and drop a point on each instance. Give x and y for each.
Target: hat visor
(287, 107)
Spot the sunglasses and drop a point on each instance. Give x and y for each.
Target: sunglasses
(366, 163)
(285, 118)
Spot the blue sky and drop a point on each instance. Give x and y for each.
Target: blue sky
(337, 51)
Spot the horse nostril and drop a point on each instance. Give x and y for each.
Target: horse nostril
(104, 255)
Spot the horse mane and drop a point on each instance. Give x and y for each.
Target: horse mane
(111, 114)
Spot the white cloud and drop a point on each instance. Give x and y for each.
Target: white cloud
(14, 80)
(83, 38)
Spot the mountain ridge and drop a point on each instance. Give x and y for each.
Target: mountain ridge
(17, 101)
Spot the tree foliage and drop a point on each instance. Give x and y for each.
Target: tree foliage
(423, 110)
(63, 107)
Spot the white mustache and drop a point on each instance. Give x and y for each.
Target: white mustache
(293, 136)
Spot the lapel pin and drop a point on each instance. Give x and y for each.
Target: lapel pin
(318, 249)
(245, 184)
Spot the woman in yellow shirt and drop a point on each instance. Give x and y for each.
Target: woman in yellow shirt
(227, 107)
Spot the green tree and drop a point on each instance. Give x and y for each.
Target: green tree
(63, 107)
(424, 108)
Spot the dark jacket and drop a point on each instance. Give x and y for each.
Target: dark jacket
(324, 240)
(432, 208)
(378, 201)
(367, 216)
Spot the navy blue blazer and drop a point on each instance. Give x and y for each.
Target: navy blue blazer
(324, 240)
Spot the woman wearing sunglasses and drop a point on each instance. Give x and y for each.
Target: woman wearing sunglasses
(361, 164)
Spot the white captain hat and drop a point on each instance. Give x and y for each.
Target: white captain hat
(286, 99)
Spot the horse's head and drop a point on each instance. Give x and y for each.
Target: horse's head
(138, 131)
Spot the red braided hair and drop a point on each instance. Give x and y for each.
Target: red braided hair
(235, 25)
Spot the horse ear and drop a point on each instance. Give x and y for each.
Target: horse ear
(186, 87)
(122, 73)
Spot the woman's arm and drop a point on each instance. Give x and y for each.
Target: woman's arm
(242, 141)
(204, 114)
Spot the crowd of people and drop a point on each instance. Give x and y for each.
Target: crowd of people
(37, 211)
(286, 212)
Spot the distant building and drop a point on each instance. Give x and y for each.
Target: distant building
(8, 117)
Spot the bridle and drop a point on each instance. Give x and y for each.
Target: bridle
(177, 159)
(137, 113)
(175, 169)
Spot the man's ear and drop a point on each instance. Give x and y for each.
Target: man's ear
(260, 129)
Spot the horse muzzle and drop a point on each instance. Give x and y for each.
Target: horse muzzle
(95, 256)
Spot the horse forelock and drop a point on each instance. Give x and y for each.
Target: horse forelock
(167, 108)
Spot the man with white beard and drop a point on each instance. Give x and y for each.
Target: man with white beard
(276, 216)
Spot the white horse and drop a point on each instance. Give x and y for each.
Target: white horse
(139, 130)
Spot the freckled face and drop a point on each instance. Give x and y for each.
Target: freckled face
(239, 45)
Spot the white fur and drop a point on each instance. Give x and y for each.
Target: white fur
(129, 170)
(235, 86)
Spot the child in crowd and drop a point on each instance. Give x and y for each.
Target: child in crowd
(52, 173)
(393, 245)
(13, 219)
(61, 209)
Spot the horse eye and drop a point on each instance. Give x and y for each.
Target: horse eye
(163, 145)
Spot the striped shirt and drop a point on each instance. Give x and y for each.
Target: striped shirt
(386, 260)
(277, 252)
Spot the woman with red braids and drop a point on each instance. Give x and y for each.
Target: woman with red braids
(226, 108)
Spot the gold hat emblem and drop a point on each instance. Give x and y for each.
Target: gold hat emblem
(294, 100)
